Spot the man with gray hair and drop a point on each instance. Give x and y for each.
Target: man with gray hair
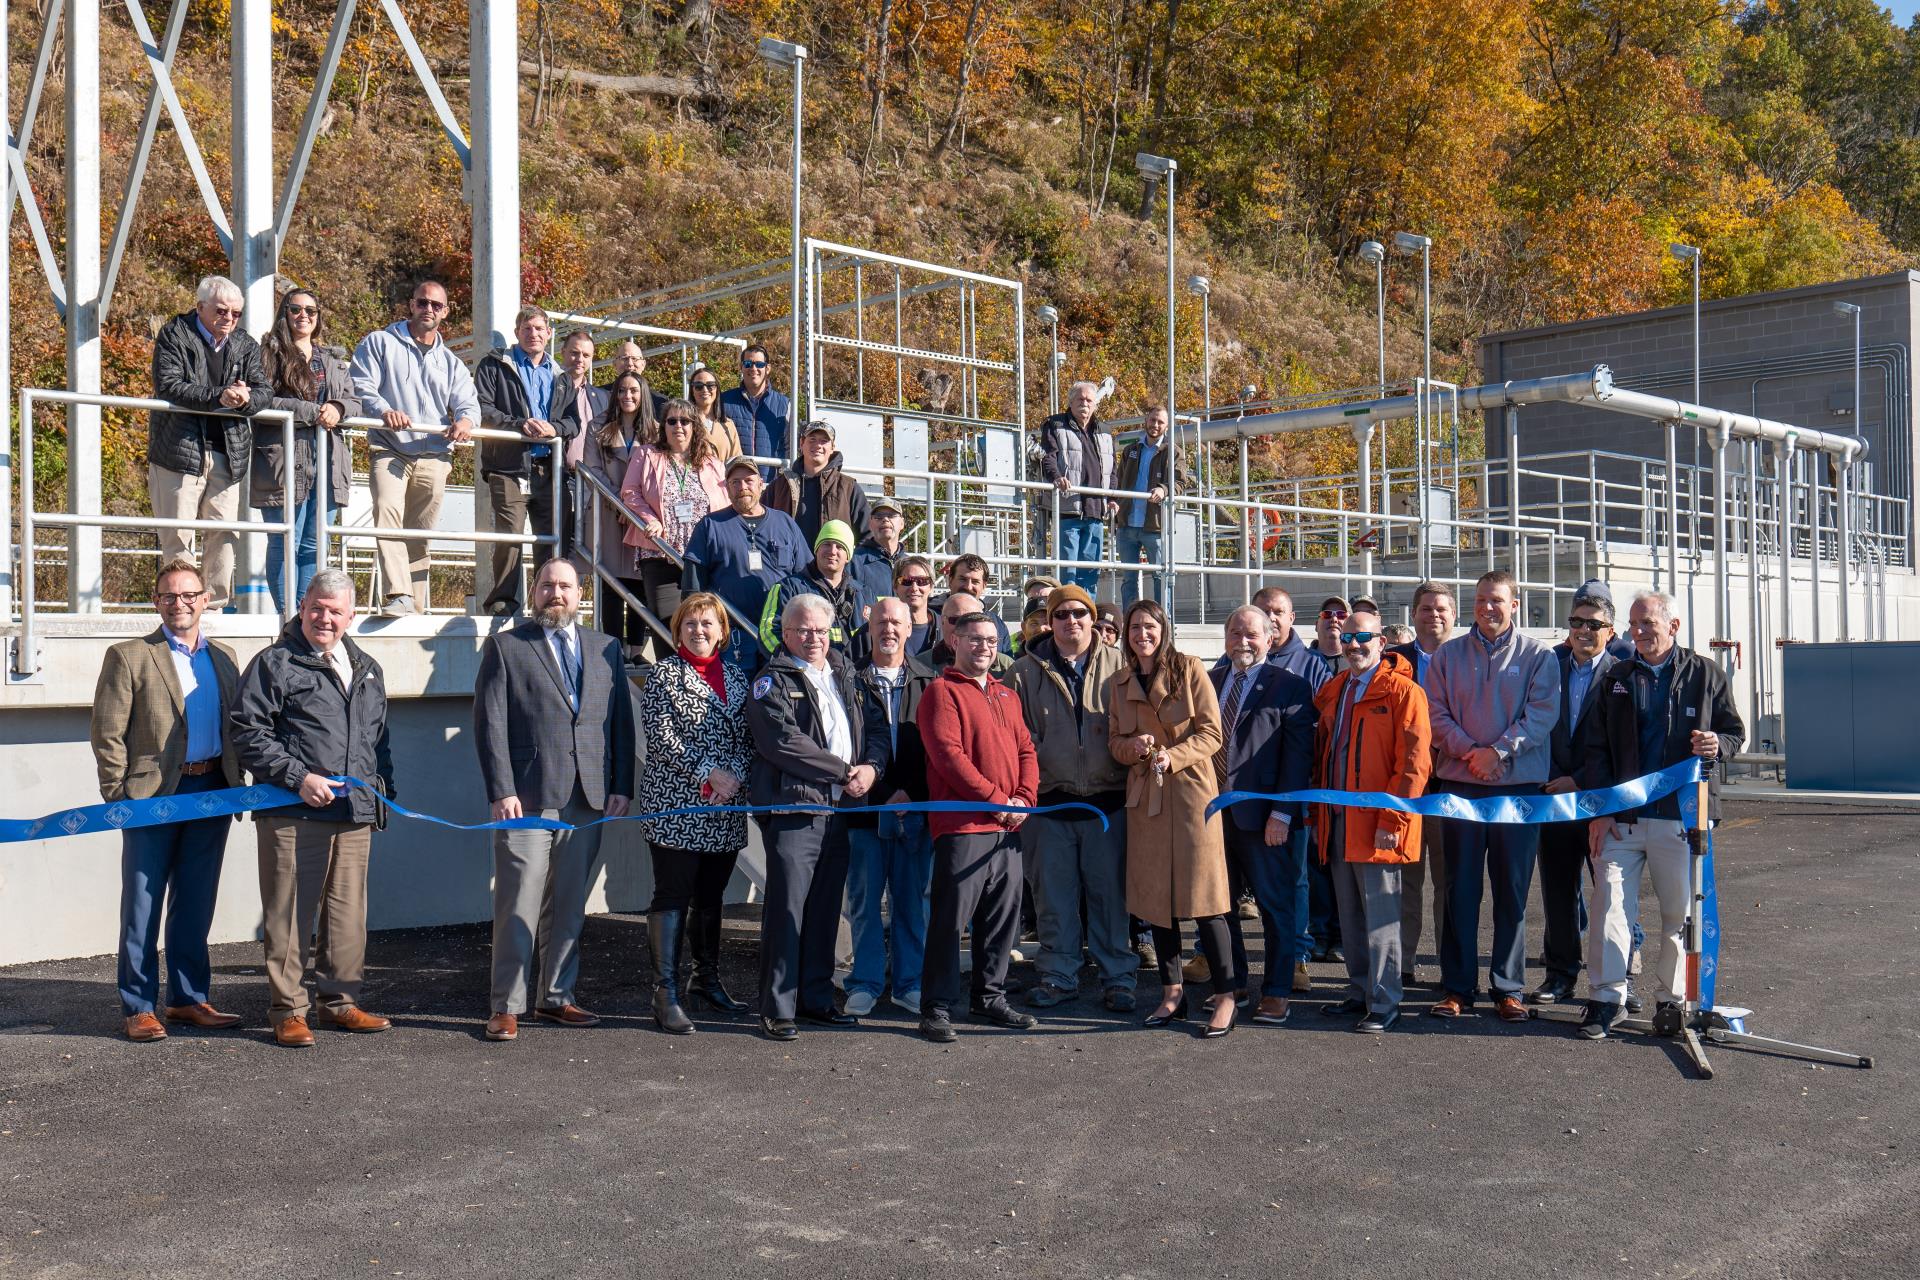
(197, 461)
(553, 722)
(313, 707)
(1076, 453)
(820, 739)
(1667, 704)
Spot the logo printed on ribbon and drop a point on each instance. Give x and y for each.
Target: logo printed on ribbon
(73, 823)
(164, 809)
(118, 816)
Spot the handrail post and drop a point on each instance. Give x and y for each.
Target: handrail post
(323, 476)
(26, 652)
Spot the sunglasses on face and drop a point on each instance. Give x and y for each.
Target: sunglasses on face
(225, 312)
(1359, 637)
(706, 386)
(919, 584)
(1334, 615)
(1071, 615)
(296, 309)
(753, 364)
(429, 304)
(1588, 624)
(679, 422)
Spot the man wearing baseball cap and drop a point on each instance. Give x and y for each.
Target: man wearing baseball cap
(874, 559)
(742, 551)
(828, 576)
(813, 489)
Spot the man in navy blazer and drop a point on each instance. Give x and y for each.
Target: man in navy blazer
(1584, 659)
(1267, 718)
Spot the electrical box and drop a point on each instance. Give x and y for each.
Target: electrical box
(1849, 709)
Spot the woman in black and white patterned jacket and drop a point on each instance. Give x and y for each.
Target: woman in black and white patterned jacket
(697, 754)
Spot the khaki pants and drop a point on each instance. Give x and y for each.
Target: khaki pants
(407, 489)
(313, 895)
(214, 494)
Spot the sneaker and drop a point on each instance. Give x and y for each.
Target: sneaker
(1249, 909)
(937, 1027)
(1302, 979)
(908, 1000)
(1600, 1016)
(1197, 970)
(398, 607)
(859, 1003)
(1045, 995)
(1117, 999)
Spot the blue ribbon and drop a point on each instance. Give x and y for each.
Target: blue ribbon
(156, 811)
(1570, 806)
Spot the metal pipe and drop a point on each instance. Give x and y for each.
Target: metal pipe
(1673, 509)
(6, 357)
(1722, 599)
(1783, 470)
(1758, 665)
(84, 565)
(494, 182)
(1362, 438)
(793, 346)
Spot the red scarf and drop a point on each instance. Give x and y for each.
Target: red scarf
(709, 669)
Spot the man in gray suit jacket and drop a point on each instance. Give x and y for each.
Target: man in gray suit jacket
(553, 720)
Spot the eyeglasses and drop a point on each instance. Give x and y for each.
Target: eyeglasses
(1589, 624)
(228, 312)
(429, 304)
(295, 309)
(1071, 615)
(753, 364)
(1359, 637)
(178, 597)
(813, 633)
(920, 584)
(1334, 615)
(679, 422)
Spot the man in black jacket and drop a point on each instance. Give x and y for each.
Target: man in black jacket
(1146, 467)
(1667, 704)
(1584, 662)
(313, 706)
(197, 462)
(816, 742)
(890, 854)
(1076, 453)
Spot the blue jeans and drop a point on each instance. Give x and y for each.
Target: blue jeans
(1278, 878)
(1133, 543)
(1080, 540)
(178, 865)
(896, 858)
(306, 549)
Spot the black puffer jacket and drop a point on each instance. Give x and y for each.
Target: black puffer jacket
(292, 718)
(186, 371)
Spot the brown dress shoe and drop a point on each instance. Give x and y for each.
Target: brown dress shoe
(293, 1033)
(142, 1027)
(203, 1015)
(1448, 1006)
(353, 1018)
(503, 1026)
(1272, 1011)
(568, 1015)
(1511, 1009)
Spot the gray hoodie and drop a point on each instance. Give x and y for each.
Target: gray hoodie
(1507, 698)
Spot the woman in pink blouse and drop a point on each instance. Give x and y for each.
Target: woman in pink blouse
(669, 488)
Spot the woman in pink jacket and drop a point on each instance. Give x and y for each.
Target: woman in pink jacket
(670, 487)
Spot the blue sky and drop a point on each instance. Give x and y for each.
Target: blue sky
(1902, 10)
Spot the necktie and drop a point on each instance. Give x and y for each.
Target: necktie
(569, 666)
(1236, 689)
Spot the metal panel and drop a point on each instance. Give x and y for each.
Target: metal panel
(1852, 707)
(997, 449)
(910, 437)
(862, 442)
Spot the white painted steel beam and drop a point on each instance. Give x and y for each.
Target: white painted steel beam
(163, 81)
(493, 181)
(83, 295)
(424, 70)
(310, 123)
(254, 256)
(137, 170)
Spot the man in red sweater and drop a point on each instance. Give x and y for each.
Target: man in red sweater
(977, 749)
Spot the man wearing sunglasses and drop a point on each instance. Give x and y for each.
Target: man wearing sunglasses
(1584, 661)
(758, 412)
(1494, 695)
(197, 462)
(425, 399)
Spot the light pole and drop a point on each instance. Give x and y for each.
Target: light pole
(1161, 169)
(1376, 253)
(1843, 522)
(1050, 316)
(782, 53)
(1203, 468)
(1407, 243)
(1690, 254)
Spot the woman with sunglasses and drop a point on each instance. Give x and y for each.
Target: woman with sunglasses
(669, 488)
(703, 389)
(1164, 727)
(312, 382)
(620, 433)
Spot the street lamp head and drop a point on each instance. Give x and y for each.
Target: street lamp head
(1409, 243)
(1846, 309)
(782, 53)
(1059, 359)
(1152, 166)
(1373, 251)
(1684, 252)
(1048, 315)
(1247, 393)
(1199, 285)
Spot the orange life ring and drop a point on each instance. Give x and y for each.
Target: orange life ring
(1271, 541)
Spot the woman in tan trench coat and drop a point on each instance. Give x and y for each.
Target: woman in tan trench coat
(1165, 726)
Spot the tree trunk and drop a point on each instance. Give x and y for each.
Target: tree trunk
(881, 53)
(969, 44)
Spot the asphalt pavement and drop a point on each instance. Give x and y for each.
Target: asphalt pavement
(1089, 1147)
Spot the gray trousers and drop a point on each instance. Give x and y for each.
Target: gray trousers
(1369, 897)
(540, 882)
(1414, 877)
(1068, 857)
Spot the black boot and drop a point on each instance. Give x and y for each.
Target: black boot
(704, 928)
(663, 935)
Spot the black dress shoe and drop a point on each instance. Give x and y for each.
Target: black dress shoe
(1345, 1009)
(1002, 1014)
(1635, 1004)
(1210, 1032)
(937, 1027)
(1178, 1014)
(1376, 1023)
(779, 1029)
(829, 1017)
(1552, 991)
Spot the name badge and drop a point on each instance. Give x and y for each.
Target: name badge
(686, 511)
(753, 560)
(1692, 712)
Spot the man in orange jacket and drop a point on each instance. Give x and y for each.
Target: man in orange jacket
(1372, 736)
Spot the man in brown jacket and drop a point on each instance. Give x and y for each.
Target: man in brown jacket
(159, 729)
(813, 489)
(1372, 736)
